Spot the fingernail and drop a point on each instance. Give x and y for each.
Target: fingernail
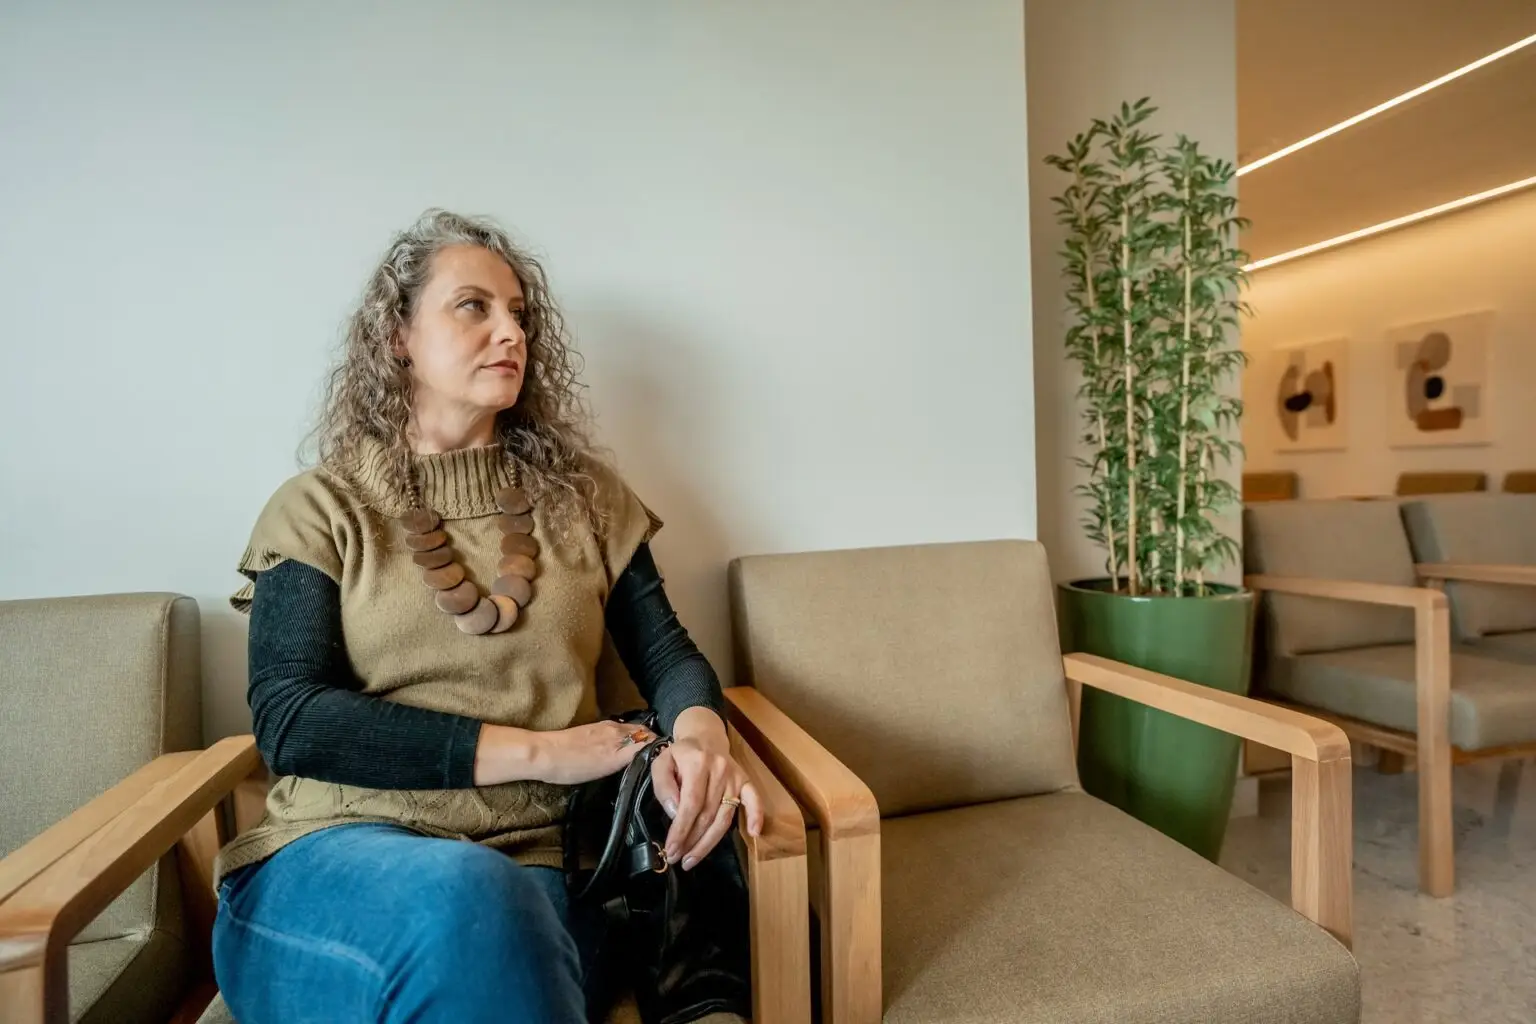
(671, 808)
(689, 862)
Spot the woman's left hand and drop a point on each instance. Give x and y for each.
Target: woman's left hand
(692, 779)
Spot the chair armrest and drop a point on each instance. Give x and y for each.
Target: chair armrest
(783, 832)
(40, 918)
(778, 897)
(22, 865)
(1511, 575)
(1322, 830)
(1291, 731)
(1350, 590)
(839, 800)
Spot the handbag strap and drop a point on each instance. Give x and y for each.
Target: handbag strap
(634, 789)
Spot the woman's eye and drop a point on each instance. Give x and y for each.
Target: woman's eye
(522, 317)
(478, 305)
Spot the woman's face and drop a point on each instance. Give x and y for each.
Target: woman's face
(466, 343)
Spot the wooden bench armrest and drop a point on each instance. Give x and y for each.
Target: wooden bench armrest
(38, 920)
(1322, 831)
(1511, 575)
(837, 799)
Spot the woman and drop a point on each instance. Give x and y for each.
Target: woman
(428, 607)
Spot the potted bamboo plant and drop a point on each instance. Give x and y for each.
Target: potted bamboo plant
(1152, 279)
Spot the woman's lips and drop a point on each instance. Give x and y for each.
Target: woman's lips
(508, 369)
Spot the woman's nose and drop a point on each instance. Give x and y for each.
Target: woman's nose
(509, 331)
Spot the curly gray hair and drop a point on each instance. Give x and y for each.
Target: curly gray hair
(368, 395)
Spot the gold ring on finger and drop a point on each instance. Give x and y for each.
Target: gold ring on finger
(730, 801)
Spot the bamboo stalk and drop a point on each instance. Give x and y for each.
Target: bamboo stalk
(1093, 305)
(1130, 402)
(1178, 556)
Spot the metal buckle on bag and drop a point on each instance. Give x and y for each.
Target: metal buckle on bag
(661, 856)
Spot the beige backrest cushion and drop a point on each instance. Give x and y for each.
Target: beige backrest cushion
(1481, 529)
(1362, 541)
(933, 672)
(93, 689)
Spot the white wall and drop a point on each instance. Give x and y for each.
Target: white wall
(792, 238)
(1084, 58)
(1481, 258)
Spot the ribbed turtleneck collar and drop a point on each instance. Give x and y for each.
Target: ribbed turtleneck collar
(459, 484)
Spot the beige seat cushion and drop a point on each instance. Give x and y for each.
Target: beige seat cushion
(135, 980)
(1362, 541)
(933, 672)
(624, 1013)
(1479, 529)
(1493, 700)
(1516, 646)
(1061, 908)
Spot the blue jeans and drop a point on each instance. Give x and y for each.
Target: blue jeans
(376, 923)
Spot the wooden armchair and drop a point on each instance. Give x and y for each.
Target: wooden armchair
(53, 886)
(1356, 637)
(106, 898)
(1482, 549)
(915, 702)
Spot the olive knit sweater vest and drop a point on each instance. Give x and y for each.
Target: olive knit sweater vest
(541, 674)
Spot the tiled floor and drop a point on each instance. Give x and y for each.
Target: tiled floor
(1468, 959)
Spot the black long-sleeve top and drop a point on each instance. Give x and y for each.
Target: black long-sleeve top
(311, 719)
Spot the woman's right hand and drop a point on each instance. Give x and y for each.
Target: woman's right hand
(565, 756)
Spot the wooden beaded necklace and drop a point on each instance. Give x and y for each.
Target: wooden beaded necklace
(475, 613)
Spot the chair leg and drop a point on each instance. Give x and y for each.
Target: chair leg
(1437, 870)
(22, 997)
(850, 939)
(1389, 762)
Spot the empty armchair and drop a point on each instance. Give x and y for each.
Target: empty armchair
(95, 689)
(915, 701)
(1352, 636)
(1482, 547)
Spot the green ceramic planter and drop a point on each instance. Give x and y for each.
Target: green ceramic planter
(1172, 774)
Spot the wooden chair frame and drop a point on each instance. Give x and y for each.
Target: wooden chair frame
(1430, 745)
(845, 886)
(56, 884)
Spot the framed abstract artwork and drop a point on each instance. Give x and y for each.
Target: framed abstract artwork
(1306, 391)
(1437, 390)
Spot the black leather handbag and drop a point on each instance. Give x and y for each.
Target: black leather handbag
(682, 936)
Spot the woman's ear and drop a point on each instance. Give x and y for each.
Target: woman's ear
(398, 350)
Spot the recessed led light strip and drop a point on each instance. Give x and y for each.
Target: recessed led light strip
(1396, 222)
(1388, 105)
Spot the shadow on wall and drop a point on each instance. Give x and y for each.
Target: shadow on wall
(655, 391)
(225, 711)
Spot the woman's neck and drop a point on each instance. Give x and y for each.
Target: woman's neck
(434, 431)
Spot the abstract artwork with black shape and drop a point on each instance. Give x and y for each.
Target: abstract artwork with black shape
(1438, 391)
(1306, 388)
